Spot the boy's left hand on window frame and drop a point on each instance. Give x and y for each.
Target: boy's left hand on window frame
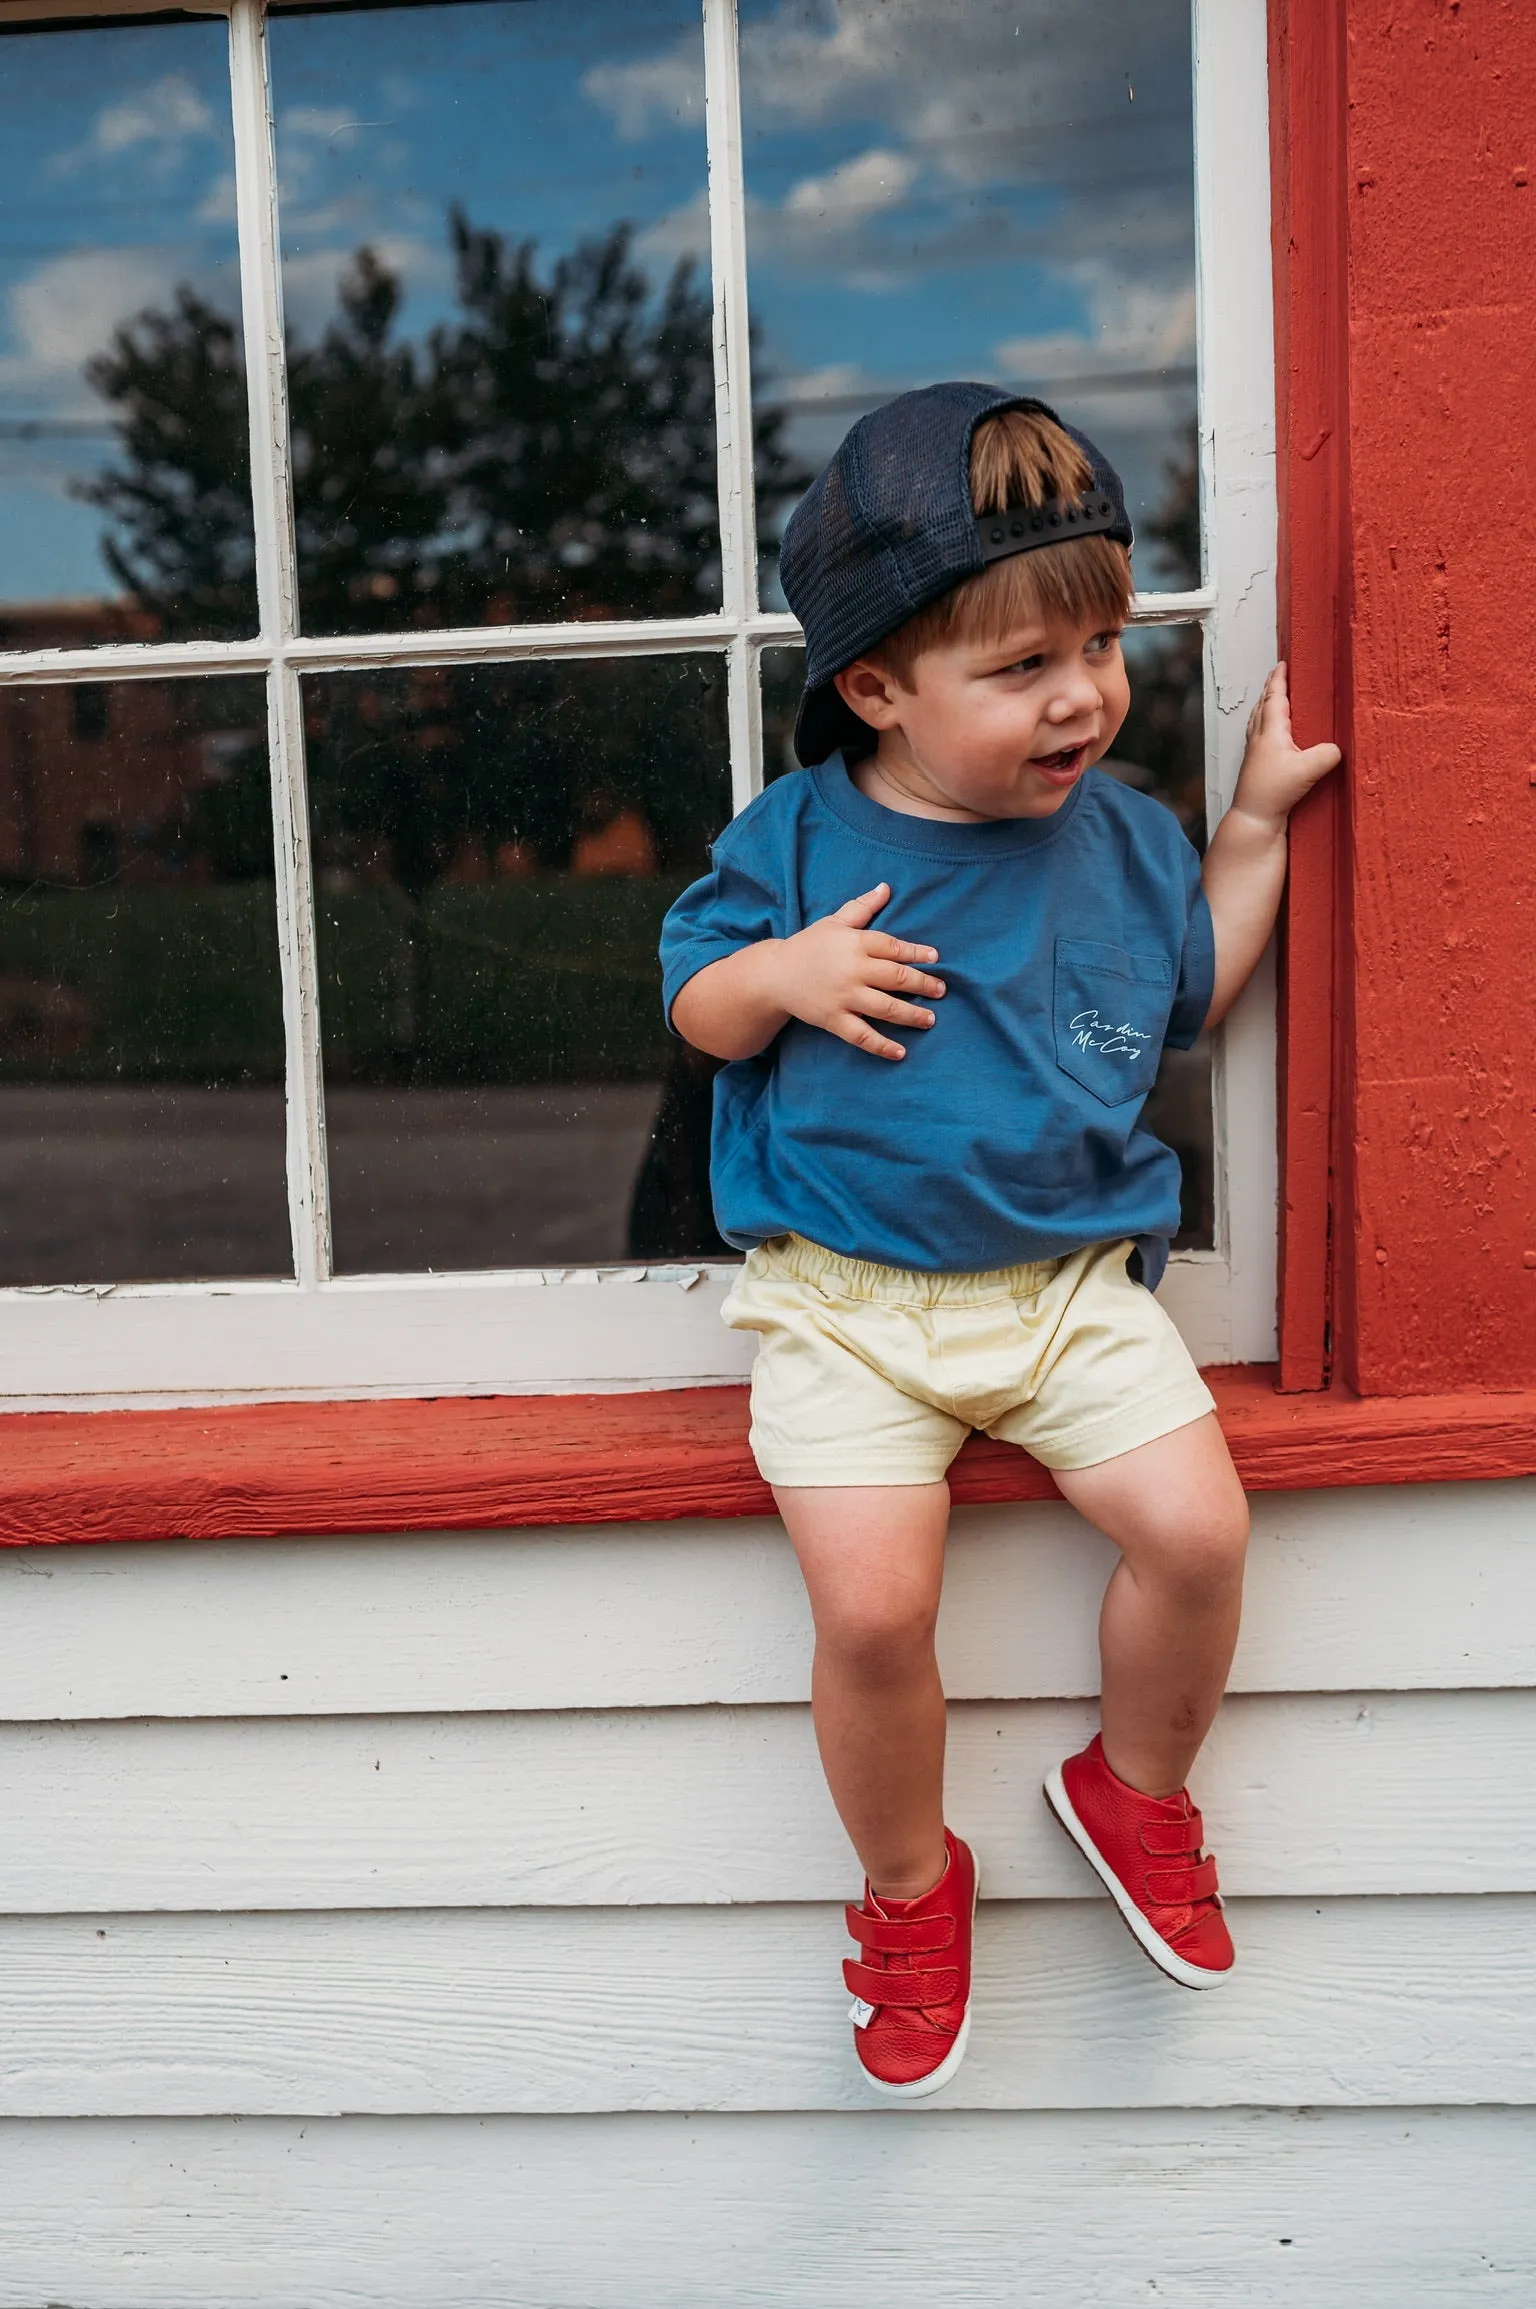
(1276, 772)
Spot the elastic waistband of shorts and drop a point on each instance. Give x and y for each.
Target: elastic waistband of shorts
(808, 1262)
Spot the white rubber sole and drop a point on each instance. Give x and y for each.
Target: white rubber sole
(922, 2086)
(1151, 1943)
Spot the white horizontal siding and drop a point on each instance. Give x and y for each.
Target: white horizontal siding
(1164, 2209)
(481, 2011)
(1366, 1590)
(377, 1916)
(1304, 1795)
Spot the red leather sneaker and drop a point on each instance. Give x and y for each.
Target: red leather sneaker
(1150, 1852)
(912, 1985)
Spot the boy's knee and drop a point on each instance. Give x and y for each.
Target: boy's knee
(878, 1637)
(1204, 1551)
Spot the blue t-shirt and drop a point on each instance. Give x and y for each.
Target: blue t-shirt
(1072, 949)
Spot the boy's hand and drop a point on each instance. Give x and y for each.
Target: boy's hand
(839, 974)
(1276, 772)
(1244, 870)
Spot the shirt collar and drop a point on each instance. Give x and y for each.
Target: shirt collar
(937, 837)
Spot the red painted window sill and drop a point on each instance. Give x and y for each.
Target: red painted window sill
(471, 1463)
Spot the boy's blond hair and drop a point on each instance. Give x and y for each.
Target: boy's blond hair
(1020, 457)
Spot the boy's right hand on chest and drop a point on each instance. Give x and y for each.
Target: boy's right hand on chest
(840, 975)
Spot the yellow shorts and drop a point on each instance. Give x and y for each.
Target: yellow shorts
(868, 1374)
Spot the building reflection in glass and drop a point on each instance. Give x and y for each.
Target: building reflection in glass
(141, 1027)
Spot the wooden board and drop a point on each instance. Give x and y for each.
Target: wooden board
(1317, 2209)
(1304, 1795)
(476, 2011)
(1410, 1588)
(258, 1469)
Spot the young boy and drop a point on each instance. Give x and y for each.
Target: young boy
(943, 964)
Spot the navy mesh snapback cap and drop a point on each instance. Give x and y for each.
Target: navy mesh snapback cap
(889, 526)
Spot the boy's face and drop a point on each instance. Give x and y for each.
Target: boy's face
(997, 729)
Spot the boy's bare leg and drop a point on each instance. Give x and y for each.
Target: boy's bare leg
(873, 1561)
(1176, 1511)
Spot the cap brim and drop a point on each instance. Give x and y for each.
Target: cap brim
(825, 723)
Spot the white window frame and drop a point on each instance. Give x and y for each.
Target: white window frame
(566, 1330)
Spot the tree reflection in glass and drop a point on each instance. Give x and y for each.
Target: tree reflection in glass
(548, 454)
(501, 350)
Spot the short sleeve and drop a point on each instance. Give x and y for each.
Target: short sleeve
(739, 902)
(1197, 967)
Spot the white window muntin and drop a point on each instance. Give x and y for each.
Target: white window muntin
(534, 1330)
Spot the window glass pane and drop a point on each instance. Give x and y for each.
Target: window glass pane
(1000, 189)
(1161, 745)
(783, 680)
(1160, 751)
(141, 1018)
(124, 494)
(496, 276)
(495, 848)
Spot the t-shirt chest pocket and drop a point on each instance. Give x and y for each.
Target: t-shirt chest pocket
(1110, 1015)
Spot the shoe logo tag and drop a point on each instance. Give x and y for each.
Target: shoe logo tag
(861, 2014)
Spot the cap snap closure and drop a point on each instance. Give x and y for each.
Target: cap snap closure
(1018, 528)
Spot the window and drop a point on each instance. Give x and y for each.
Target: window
(400, 410)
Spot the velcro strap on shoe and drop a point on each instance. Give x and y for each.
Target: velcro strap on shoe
(900, 1935)
(1166, 1838)
(901, 1988)
(1181, 1887)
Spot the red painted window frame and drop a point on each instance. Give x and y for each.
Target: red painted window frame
(1308, 158)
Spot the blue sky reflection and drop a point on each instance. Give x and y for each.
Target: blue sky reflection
(116, 183)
